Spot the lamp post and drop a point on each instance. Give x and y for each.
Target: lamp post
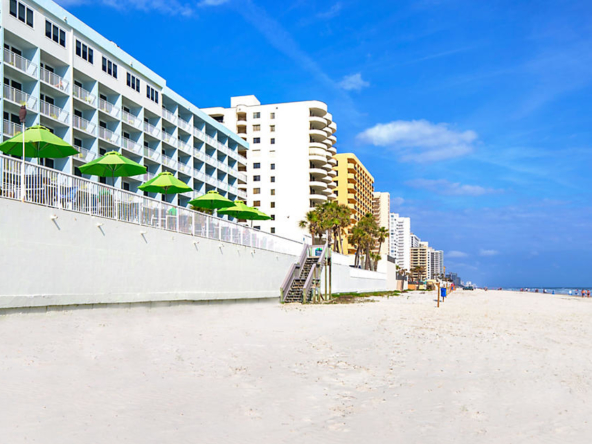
(22, 118)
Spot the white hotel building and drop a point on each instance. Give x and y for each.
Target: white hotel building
(97, 97)
(400, 240)
(290, 162)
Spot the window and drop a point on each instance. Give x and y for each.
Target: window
(272, 141)
(151, 93)
(256, 166)
(256, 190)
(272, 166)
(272, 230)
(126, 186)
(84, 52)
(256, 139)
(56, 34)
(256, 178)
(272, 128)
(109, 67)
(133, 82)
(256, 203)
(21, 12)
(272, 178)
(272, 216)
(256, 115)
(272, 115)
(256, 127)
(272, 204)
(273, 192)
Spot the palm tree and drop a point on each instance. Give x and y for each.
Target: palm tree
(311, 222)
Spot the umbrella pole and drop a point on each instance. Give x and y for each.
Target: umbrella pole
(23, 166)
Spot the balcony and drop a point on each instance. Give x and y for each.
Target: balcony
(242, 177)
(242, 194)
(131, 120)
(332, 161)
(54, 112)
(332, 173)
(241, 130)
(199, 134)
(53, 80)
(184, 147)
(317, 197)
(19, 98)
(83, 95)
(85, 155)
(184, 169)
(184, 125)
(241, 159)
(199, 175)
(108, 136)
(130, 145)
(11, 129)
(20, 63)
(318, 122)
(332, 150)
(318, 172)
(152, 154)
(169, 161)
(318, 152)
(318, 185)
(333, 139)
(211, 160)
(151, 129)
(84, 125)
(199, 155)
(146, 177)
(168, 138)
(169, 116)
(109, 108)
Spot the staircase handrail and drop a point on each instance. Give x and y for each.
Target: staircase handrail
(309, 279)
(287, 284)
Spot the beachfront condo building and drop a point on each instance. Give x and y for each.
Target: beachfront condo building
(400, 240)
(290, 163)
(415, 240)
(436, 263)
(355, 188)
(381, 206)
(421, 267)
(88, 91)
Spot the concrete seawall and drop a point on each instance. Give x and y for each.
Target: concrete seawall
(80, 259)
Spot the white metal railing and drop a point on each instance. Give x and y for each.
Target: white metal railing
(20, 63)
(108, 135)
(169, 115)
(85, 155)
(211, 160)
(52, 79)
(54, 112)
(199, 175)
(151, 129)
(169, 139)
(11, 129)
(84, 95)
(199, 155)
(130, 119)
(184, 124)
(211, 141)
(184, 168)
(152, 154)
(109, 108)
(84, 125)
(184, 147)
(199, 133)
(242, 177)
(242, 194)
(146, 177)
(50, 188)
(169, 161)
(131, 145)
(20, 98)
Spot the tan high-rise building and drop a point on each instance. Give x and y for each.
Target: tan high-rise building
(420, 257)
(381, 209)
(355, 188)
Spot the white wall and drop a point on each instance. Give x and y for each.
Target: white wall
(73, 261)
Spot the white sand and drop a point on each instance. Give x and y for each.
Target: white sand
(491, 367)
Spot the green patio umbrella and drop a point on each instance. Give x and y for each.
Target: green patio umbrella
(240, 211)
(212, 200)
(39, 143)
(261, 215)
(113, 165)
(165, 183)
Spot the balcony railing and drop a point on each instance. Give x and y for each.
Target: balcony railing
(52, 79)
(131, 145)
(241, 159)
(184, 169)
(169, 139)
(54, 112)
(199, 155)
(151, 129)
(83, 95)
(19, 97)
(152, 154)
(130, 119)
(242, 194)
(20, 63)
(199, 133)
(199, 175)
(50, 188)
(169, 116)
(183, 124)
(184, 147)
(212, 161)
(85, 155)
(146, 177)
(84, 125)
(109, 108)
(11, 129)
(242, 177)
(169, 161)
(108, 135)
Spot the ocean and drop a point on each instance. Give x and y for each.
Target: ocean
(556, 290)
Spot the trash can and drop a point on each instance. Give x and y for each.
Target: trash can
(443, 292)
(318, 251)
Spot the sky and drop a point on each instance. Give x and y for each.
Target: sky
(475, 116)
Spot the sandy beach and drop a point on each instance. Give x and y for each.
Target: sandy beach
(486, 367)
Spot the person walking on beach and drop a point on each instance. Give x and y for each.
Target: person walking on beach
(588, 293)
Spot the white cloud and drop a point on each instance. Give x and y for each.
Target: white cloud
(454, 253)
(172, 7)
(397, 201)
(354, 82)
(443, 186)
(331, 12)
(483, 252)
(420, 140)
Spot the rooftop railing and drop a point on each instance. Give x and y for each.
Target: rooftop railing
(20, 63)
(50, 188)
(54, 80)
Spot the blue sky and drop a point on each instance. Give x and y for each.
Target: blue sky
(475, 116)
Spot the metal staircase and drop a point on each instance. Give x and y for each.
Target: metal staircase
(303, 281)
